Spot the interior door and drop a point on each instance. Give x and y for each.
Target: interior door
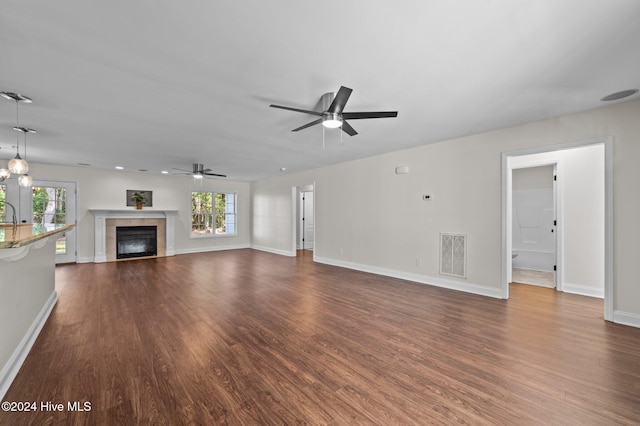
(55, 203)
(308, 220)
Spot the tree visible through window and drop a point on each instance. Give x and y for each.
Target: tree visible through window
(213, 213)
(50, 208)
(3, 207)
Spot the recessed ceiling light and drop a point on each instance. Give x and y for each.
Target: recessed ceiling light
(164, 172)
(283, 169)
(119, 167)
(619, 95)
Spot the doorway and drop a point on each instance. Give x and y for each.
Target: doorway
(51, 203)
(534, 242)
(583, 222)
(306, 223)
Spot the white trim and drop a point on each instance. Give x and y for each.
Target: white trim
(626, 318)
(294, 219)
(13, 365)
(274, 251)
(583, 290)
(417, 278)
(608, 230)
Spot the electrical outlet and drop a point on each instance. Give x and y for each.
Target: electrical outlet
(418, 261)
(340, 251)
(426, 197)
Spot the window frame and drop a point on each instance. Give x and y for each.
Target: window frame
(214, 213)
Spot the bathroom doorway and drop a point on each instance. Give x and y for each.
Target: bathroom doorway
(582, 224)
(534, 225)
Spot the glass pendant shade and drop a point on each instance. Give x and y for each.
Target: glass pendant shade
(18, 166)
(4, 174)
(25, 180)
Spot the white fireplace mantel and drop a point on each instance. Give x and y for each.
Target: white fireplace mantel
(101, 216)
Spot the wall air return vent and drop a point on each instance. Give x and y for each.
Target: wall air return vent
(453, 255)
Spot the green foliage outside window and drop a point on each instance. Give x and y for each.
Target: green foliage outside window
(212, 213)
(3, 207)
(49, 205)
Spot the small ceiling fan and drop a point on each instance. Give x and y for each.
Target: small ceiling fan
(333, 115)
(198, 172)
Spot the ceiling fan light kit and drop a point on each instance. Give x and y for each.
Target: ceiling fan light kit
(333, 116)
(331, 120)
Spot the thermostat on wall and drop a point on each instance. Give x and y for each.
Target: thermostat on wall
(401, 170)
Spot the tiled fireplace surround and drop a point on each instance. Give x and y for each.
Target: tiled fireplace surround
(106, 222)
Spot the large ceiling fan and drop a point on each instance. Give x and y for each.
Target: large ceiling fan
(198, 172)
(333, 115)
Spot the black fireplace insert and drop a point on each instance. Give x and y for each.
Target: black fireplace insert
(136, 241)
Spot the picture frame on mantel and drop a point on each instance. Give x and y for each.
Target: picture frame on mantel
(148, 197)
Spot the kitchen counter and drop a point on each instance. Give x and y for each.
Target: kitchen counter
(16, 241)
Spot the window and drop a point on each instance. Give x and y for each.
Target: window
(213, 213)
(3, 206)
(50, 208)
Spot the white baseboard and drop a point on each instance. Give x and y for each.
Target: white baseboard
(274, 251)
(418, 278)
(213, 248)
(11, 368)
(583, 290)
(85, 260)
(626, 318)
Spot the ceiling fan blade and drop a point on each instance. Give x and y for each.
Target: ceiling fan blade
(313, 123)
(296, 109)
(346, 127)
(182, 170)
(213, 174)
(340, 100)
(373, 114)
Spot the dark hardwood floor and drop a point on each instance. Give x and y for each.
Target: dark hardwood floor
(251, 338)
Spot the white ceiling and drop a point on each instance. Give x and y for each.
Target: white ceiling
(161, 84)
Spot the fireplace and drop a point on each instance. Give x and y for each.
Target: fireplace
(106, 222)
(136, 241)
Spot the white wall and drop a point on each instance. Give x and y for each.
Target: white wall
(24, 306)
(583, 220)
(378, 220)
(105, 189)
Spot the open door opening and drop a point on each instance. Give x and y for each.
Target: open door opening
(581, 227)
(305, 229)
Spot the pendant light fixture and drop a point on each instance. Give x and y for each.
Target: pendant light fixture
(25, 180)
(18, 165)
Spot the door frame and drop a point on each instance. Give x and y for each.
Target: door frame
(507, 159)
(302, 218)
(295, 215)
(525, 162)
(26, 209)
